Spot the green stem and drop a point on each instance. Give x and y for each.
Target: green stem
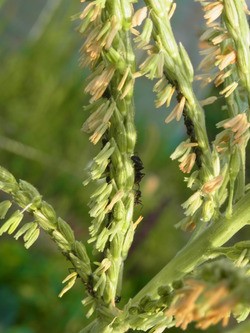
(241, 328)
(197, 251)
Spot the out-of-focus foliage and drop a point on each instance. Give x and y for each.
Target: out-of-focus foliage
(41, 100)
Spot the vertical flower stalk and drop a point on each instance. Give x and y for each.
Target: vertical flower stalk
(235, 20)
(237, 27)
(107, 51)
(178, 71)
(228, 54)
(170, 63)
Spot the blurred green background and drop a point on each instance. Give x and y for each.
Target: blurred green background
(41, 99)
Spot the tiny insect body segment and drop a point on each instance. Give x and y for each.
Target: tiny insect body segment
(138, 167)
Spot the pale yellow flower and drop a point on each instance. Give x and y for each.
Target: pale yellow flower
(139, 16)
(115, 27)
(229, 89)
(98, 85)
(238, 124)
(172, 10)
(223, 60)
(208, 101)
(220, 38)
(220, 78)
(187, 164)
(212, 11)
(212, 185)
(177, 111)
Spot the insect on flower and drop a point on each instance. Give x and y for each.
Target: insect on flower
(138, 166)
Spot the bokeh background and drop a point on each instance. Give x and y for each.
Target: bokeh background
(41, 100)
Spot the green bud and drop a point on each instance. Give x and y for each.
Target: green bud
(85, 24)
(151, 306)
(115, 245)
(96, 223)
(188, 67)
(152, 67)
(235, 163)
(144, 301)
(115, 58)
(166, 299)
(192, 180)
(81, 267)
(102, 239)
(98, 208)
(99, 190)
(116, 156)
(121, 176)
(45, 224)
(4, 207)
(60, 240)
(131, 136)
(163, 290)
(177, 284)
(121, 139)
(105, 194)
(208, 210)
(129, 209)
(126, 9)
(119, 210)
(231, 13)
(104, 154)
(8, 187)
(23, 198)
(100, 284)
(48, 211)
(133, 310)
(82, 254)
(25, 186)
(128, 241)
(144, 38)
(6, 176)
(97, 171)
(66, 230)
(109, 291)
(46, 216)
